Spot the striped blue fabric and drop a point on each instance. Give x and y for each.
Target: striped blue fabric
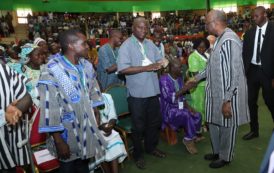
(66, 102)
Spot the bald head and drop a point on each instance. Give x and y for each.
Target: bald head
(175, 62)
(217, 15)
(140, 28)
(139, 20)
(175, 67)
(216, 22)
(260, 16)
(260, 9)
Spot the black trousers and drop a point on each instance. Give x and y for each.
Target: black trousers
(256, 79)
(146, 124)
(12, 170)
(74, 166)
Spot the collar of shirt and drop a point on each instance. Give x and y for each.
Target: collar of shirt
(134, 38)
(263, 28)
(141, 45)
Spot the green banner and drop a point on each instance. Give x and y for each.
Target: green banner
(117, 5)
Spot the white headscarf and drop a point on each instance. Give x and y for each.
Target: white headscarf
(38, 40)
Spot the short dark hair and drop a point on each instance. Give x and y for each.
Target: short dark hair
(67, 37)
(198, 41)
(114, 32)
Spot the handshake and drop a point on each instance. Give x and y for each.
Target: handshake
(192, 83)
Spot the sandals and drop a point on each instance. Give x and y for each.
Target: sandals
(158, 153)
(140, 164)
(199, 139)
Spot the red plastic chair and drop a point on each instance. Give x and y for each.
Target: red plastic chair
(38, 141)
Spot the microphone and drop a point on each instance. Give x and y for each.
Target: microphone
(263, 35)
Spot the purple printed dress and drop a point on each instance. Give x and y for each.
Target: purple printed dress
(173, 116)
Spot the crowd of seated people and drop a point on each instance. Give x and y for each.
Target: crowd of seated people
(48, 25)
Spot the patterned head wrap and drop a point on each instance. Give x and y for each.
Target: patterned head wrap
(25, 51)
(2, 48)
(38, 40)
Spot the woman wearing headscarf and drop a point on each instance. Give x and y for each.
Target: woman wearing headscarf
(197, 62)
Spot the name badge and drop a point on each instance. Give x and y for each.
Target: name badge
(2, 118)
(181, 105)
(146, 62)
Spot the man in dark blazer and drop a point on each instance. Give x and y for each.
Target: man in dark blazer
(258, 58)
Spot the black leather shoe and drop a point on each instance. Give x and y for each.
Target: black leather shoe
(211, 157)
(251, 135)
(218, 163)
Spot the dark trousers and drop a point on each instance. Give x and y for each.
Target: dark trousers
(12, 170)
(146, 124)
(74, 166)
(256, 79)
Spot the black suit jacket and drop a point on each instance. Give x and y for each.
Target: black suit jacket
(267, 51)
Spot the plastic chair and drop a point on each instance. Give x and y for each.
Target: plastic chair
(38, 143)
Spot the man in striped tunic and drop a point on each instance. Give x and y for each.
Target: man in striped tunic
(226, 90)
(14, 100)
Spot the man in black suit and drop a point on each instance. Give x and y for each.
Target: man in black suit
(258, 58)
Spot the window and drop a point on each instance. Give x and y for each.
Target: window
(265, 4)
(227, 8)
(22, 15)
(156, 15)
(139, 13)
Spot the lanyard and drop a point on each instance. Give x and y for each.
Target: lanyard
(160, 50)
(141, 47)
(80, 71)
(115, 57)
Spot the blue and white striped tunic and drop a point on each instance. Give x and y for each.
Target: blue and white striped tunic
(68, 94)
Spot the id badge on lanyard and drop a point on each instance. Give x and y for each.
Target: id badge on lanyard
(181, 104)
(145, 60)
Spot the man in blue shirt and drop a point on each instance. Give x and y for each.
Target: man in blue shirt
(138, 60)
(107, 66)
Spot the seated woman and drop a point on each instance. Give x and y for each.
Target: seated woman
(115, 152)
(175, 110)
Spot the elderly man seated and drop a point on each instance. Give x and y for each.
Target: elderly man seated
(175, 110)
